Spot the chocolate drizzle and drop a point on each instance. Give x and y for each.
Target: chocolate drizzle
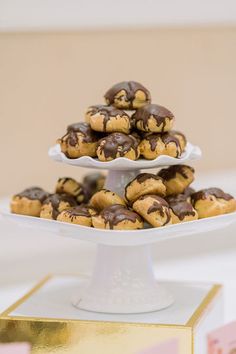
(208, 192)
(118, 143)
(79, 129)
(166, 138)
(107, 112)
(159, 113)
(170, 172)
(33, 193)
(80, 210)
(56, 199)
(117, 213)
(142, 177)
(159, 205)
(130, 88)
(181, 208)
(177, 133)
(182, 197)
(61, 183)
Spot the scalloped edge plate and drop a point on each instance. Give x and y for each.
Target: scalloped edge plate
(191, 153)
(117, 237)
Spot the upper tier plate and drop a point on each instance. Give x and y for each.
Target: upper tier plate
(123, 164)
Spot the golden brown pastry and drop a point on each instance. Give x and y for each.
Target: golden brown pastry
(80, 140)
(108, 119)
(54, 204)
(70, 186)
(181, 210)
(181, 138)
(144, 183)
(117, 217)
(153, 118)
(80, 215)
(212, 201)
(154, 209)
(118, 145)
(127, 95)
(28, 202)
(177, 178)
(154, 145)
(105, 198)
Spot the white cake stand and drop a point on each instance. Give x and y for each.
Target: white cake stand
(122, 170)
(123, 279)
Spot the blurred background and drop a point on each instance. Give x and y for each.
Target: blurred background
(57, 57)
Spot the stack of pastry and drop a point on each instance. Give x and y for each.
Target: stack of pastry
(129, 125)
(69, 202)
(151, 200)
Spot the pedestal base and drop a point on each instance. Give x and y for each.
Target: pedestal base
(123, 281)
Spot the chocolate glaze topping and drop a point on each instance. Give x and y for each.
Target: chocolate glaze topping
(33, 193)
(56, 199)
(170, 172)
(83, 129)
(158, 205)
(130, 87)
(115, 142)
(142, 177)
(205, 193)
(108, 112)
(180, 197)
(166, 138)
(117, 213)
(159, 113)
(60, 189)
(80, 210)
(176, 133)
(181, 208)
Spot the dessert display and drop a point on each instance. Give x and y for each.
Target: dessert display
(128, 126)
(127, 212)
(157, 199)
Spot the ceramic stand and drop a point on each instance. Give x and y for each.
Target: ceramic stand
(123, 281)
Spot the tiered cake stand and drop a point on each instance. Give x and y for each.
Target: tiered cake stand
(123, 279)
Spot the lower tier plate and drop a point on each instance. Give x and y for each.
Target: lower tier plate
(119, 237)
